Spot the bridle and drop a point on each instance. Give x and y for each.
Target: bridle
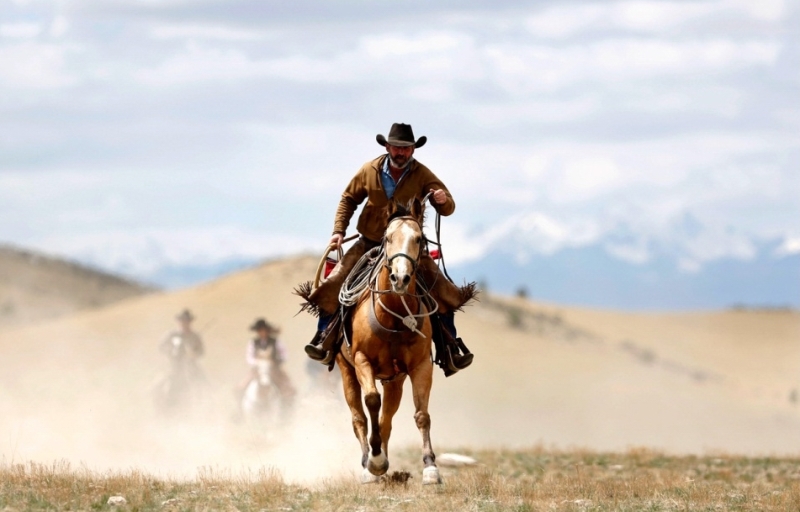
(411, 321)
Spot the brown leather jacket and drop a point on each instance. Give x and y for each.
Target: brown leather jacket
(366, 184)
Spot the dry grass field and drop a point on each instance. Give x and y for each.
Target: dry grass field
(519, 480)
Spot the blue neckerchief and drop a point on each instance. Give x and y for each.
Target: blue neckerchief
(389, 185)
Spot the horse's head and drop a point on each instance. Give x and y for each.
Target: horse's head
(403, 243)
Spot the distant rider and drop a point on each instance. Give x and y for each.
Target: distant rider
(184, 346)
(266, 345)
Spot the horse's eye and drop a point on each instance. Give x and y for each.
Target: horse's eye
(419, 239)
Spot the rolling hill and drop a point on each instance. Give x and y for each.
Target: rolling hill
(35, 287)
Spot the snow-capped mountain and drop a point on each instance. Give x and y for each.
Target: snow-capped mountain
(593, 276)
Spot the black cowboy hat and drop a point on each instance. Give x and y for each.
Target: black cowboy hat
(185, 316)
(401, 135)
(263, 324)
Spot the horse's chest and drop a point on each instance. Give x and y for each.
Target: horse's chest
(389, 373)
(391, 369)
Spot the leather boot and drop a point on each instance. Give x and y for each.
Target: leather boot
(314, 351)
(463, 360)
(321, 348)
(447, 349)
(454, 362)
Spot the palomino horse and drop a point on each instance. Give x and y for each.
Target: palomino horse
(391, 340)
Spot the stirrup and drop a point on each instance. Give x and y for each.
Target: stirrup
(455, 362)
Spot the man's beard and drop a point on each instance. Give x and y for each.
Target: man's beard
(401, 161)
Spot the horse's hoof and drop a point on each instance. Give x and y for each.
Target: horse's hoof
(378, 464)
(369, 478)
(430, 475)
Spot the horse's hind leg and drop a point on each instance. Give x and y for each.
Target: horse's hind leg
(377, 464)
(352, 395)
(421, 381)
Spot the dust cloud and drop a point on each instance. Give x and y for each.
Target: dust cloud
(100, 413)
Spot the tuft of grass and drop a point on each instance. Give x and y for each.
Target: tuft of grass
(520, 480)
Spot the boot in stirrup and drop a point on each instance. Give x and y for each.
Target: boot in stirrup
(314, 351)
(454, 361)
(322, 345)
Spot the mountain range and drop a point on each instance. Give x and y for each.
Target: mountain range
(588, 275)
(591, 276)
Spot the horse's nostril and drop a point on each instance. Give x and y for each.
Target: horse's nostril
(406, 279)
(392, 278)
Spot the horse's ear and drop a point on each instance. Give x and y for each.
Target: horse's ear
(417, 209)
(392, 208)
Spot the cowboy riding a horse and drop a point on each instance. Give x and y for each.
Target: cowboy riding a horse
(386, 300)
(395, 177)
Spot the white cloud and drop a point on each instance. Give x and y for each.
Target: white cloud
(767, 10)
(201, 64)
(658, 16)
(522, 69)
(592, 175)
(425, 59)
(790, 245)
(646, 17)
(633, 253)
(396, 45)
(560, 22)
(202, 31)
(59, 26)
(35, 65)
(22, 30)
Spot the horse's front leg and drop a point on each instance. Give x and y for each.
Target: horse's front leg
(377, 464)
(421, 381)
(352, 395)
(392, 395)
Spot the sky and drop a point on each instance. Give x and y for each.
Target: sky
(136, 134)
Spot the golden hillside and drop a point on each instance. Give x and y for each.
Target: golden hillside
(77, 386)
(36, 287)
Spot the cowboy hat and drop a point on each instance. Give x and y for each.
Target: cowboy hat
(401, 135)
(263, 324)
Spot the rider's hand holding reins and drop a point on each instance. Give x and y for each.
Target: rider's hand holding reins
(438, 196)
(337, 240)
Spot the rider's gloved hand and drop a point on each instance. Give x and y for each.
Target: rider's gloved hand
(336, 240)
